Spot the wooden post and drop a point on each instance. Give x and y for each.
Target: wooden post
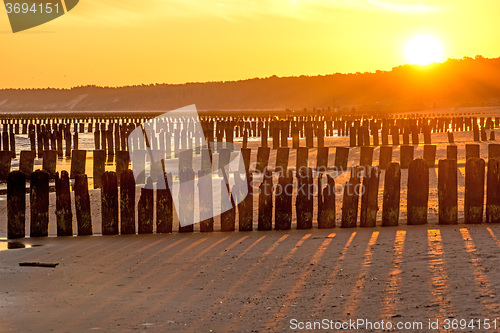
(295, 138)
(64, 214)
(326, 203)
(5, 164)
(276, 137)
(283, 202)
(352, 136)
(205, 190)
(282, 156)
(82, 205)
(99, 160)
(406, 156)
(228, 215)
(472, 150)
(265, 221)
(430, 155)
(16, 205)
(350, 201)
(366, 156)
(474, 190)
(451, 152)
(186, 200)
(302, 159)
(309, 137)
(475, 130)
(78, 161)
(492, 193)
(304, 199)
(385, 157)
(322, 159)
(49, 162)
(127, 202)
(122, 162)
(493, 150)
(369, 197)
(414, 135)
(109, 203)
(145, 209)
(262, 158)
(341, 158)
(243, 192)
(451, 139)
(448, 192)
(395, 135)
(39, 203)
(418, 192)
(392, 189)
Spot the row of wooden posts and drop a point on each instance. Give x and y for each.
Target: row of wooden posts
(78, 161)
(363, 186)
(112, 135)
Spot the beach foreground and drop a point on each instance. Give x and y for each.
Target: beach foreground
(255, 281)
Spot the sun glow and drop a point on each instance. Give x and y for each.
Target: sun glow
(424, 50)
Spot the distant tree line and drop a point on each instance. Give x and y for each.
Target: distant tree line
(454, 83)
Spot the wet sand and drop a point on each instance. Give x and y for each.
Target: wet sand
(251, 282)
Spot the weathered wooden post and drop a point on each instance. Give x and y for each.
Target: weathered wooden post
(385, 135)
(109, 203)
(406, 156)
(493, 150)
(283, 202)
(392, 190)
(99, 160)
(186, 200)
(302, 159)
(64, 214)
(448, 192)
(228, 210)
(475, 130)
(5, 164)
(205, 190)
(366, 156)
(49, 162)
(295, 138)
(322, 159)
(262, 159)
(304, 200)
(369, 197)
(127, 202)
(350, 203)
(244, 193)
(82, 205)
(39, 204)
(395, 135)
(472, 150)
(385, 157)
(352, 136)
(414, 135)
(430, 155)
(309, 137)
(451, 139)
(97, 139)
(78, 161)
(326, 203)
(145, 209)
(427, 135)
(492, 192)
(16, 205)
(265, 220)
(452, 152)
(282, 156)
(122, 162)
(341, 158)
(474, 190)
(418, 192)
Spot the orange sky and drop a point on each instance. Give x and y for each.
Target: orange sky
(126, 42)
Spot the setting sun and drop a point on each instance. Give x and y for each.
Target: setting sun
(423, 50)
